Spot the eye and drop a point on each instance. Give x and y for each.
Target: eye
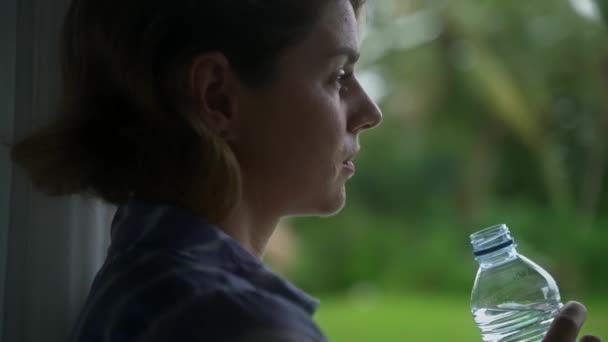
(342, 77)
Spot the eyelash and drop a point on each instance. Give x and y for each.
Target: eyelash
(342, 77)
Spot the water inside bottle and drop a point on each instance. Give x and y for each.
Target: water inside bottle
(515, 322)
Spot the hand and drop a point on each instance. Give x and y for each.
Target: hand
(568, 323)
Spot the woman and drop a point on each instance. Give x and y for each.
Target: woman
(206, 122)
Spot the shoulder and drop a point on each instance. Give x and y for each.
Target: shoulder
(164, 299)
(223, 314)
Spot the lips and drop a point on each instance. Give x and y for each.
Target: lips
(349, 166)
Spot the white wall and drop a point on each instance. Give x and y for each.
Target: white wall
(50, 248)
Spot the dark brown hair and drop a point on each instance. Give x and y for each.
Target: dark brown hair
(120, 129)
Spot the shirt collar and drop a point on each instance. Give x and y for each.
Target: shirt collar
(144, 225)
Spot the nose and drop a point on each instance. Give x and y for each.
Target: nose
(364, 112)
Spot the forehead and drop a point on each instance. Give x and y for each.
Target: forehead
(336, 28)
(338, 24)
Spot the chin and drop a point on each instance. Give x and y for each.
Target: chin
(324, 204)
(332, 203)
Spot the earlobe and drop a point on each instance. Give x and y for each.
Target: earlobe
(212, 85)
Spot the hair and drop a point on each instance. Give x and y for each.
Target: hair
(121, 129)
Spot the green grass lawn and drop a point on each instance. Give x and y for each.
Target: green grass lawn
(417, 318)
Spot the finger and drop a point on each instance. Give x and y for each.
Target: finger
(589, 338)
(567, 324)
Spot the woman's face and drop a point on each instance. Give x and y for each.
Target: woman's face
(298, 135)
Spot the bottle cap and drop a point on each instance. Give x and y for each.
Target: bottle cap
(491, 239)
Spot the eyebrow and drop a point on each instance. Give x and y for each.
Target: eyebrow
(352, 54)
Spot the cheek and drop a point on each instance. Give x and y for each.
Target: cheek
(293, 140)
(317, 141)
(318, 112)
(315, 124)
(303, 117)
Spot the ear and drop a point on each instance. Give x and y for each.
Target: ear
(213, 86)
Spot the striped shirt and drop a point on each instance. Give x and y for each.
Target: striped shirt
(170, 276)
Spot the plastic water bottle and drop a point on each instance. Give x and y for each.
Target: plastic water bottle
(513, 299)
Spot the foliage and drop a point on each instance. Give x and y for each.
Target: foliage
(495, 111)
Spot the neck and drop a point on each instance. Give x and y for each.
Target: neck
(250, 227)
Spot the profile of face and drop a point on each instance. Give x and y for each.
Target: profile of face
(296, 138)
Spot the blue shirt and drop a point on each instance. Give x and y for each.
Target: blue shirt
(170, 276)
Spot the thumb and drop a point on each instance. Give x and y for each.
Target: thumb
(567, 324)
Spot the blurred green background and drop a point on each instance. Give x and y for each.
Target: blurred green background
(495, 112)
